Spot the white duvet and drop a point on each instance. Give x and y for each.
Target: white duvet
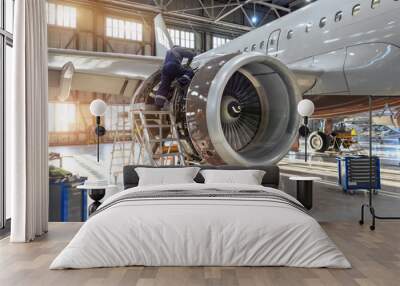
(200, 231)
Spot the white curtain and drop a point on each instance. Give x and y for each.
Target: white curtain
(27, 123)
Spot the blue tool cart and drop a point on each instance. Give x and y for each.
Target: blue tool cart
(65, 201)
(354, 173)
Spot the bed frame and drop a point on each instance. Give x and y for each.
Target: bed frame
(270, 179)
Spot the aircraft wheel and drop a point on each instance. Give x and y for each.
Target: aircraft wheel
(337, 143)
(318, 141)
(346, 144)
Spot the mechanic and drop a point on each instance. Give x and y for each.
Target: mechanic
(173, 69)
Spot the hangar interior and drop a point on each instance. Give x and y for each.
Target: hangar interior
(199, 25)
(108, 51)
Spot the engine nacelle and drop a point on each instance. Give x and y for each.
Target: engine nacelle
(239, 109)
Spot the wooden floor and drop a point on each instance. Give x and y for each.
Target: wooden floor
(375, 257)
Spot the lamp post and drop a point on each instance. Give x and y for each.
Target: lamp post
(98, 108)
(305, 108)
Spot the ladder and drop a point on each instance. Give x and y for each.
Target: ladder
(122, 149)
(156, 136)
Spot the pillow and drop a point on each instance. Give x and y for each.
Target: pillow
(166, 176)
(243, 177)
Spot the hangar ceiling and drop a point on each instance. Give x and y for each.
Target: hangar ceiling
(228, 16)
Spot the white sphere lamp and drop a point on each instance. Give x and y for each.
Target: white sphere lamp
(98, 107)
(305, 108)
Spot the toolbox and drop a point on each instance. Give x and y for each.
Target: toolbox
(354, 173)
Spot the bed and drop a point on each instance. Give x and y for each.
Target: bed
(198, 224)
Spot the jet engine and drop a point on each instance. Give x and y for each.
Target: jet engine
(239, 109)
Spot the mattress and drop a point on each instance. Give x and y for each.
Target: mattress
(201, 225)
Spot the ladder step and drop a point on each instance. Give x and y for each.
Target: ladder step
(163, 140)
(152, 112)
(146, 122)
(166, 155)
(157, 126)
(168, 149)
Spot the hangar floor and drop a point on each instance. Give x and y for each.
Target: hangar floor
(330, 203)
(374, 257)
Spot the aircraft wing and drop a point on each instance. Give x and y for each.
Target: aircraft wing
(107, 64)
(97, 72)
(113, 73)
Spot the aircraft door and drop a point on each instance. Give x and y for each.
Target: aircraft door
(273, 43)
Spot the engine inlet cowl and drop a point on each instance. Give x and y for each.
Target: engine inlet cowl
(241, 109)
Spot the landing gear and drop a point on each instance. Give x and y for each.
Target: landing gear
(337, 143)
(318, 141)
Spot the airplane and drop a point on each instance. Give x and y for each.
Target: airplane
(332, 52)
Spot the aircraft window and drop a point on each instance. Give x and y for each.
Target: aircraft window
(253, 47)
(262, 44)
(290, 34)
(322, 23)
(308, 27)
(375, 3)
(356, 10)
(338, 16)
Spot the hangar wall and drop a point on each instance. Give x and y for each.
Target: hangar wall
(90, 35)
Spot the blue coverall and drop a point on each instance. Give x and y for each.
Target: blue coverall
(172, 70)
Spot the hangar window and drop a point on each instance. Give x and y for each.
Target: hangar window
(219, 41)
(253, 47)
(375, 3)
(290, 34)
(61, 15)
(129, 30)
(338, 16)
(262, 45)
(66, 111)
(182, 38)
(322, 22)
(356, 10)
(308, 27)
